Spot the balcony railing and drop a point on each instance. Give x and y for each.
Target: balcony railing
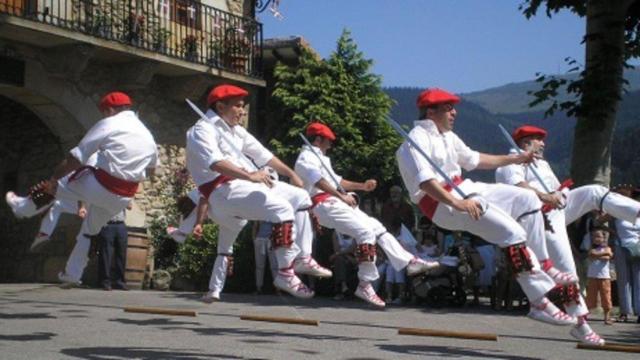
(184, 29)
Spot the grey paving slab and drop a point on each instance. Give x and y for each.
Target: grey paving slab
(45, 322)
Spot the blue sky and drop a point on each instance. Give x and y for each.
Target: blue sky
(459, 45)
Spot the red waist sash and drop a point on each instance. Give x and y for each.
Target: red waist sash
(113, 184)
(318, 198)
(428, 204)
(207, 188)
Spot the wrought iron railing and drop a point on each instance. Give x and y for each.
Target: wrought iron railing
(184, 29)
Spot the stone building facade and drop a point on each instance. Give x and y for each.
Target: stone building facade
(51, 80)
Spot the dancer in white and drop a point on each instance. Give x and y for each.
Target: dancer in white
(563, 207)
(217, 151)
(501, 214)
(127, 153)
(338, 210)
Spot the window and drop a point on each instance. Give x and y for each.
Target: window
(164, 8)
(187, 12)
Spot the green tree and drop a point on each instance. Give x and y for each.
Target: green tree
(612, 38)
(341, 92)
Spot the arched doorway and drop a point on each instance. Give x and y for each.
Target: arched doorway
(28, 152)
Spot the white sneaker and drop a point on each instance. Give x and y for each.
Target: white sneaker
(13, 201)
(417, 266)
(176, 234)
(293, 285)
(23, 207)
(40, 240)
(308, 266)
(548, 313)
(211, 297)
(365, 292)
(586, 335)
(67, 282)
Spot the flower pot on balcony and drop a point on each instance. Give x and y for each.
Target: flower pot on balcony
(236, 62)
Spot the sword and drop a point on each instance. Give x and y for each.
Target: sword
(435, 166)
(224, 136)
(533, 168)
(326, 168)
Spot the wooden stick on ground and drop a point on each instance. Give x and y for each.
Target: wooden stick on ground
(445, 333)
(283, 320)
(159, 311)
(611, 347)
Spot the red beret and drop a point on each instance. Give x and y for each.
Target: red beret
(319, 129)
(114, 99)
(225, 91)
(436, 96)
(528, 130)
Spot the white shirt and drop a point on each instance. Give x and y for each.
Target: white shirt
(446, 149)
(124, 145)
(206, 146)
(629, 235)
(598, 269)
(310, 170)
(516, 173)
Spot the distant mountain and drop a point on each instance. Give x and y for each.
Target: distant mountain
(513, 98)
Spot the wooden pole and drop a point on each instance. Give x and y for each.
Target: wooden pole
(611, 347)
(159, 311)
(283, 320)
(449, 334)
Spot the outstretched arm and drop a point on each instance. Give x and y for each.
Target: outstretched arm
(488, 162)
(282, 169)
(367, 186)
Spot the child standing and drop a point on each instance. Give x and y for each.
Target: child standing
(598, 273)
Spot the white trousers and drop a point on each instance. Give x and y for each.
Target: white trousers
(235, 202)
(504, 204)
(26, 208)
(335, 214)
(101, 206)
(50, 220)
(187, 224)
(579, 202)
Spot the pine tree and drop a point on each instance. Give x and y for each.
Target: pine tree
(343, 93)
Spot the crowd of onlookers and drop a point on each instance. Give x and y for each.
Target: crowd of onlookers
(472, 270)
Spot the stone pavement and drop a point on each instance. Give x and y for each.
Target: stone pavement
(42, 321)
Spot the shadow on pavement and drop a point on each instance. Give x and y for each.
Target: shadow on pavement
(26, 316)
(271, 334)
(449, 352)
(39, 336)
(153, 322)
(114, 353)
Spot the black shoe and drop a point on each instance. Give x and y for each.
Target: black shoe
(106, 287)
(120, 286)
